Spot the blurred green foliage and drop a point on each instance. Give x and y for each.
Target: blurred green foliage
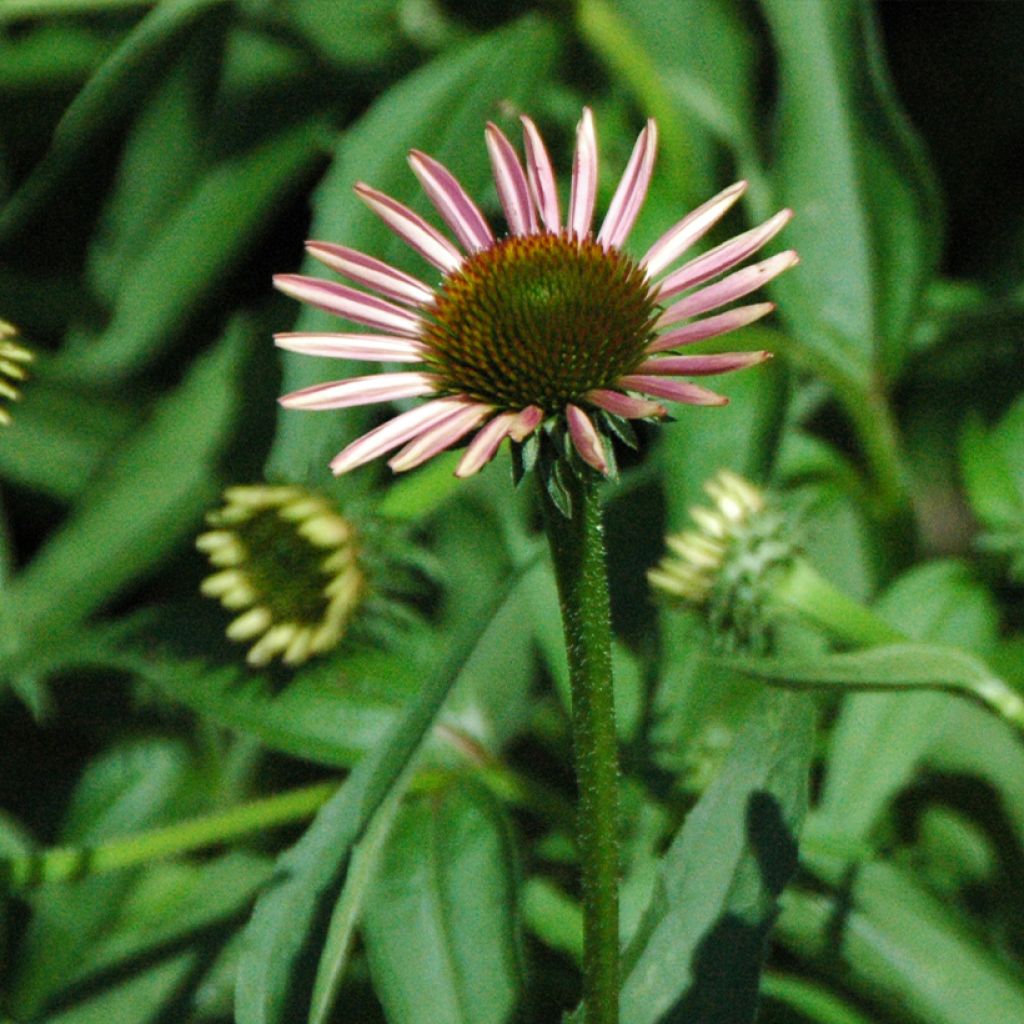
(158, 162)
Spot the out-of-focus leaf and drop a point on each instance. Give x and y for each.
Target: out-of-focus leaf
(99, 109)
(698, 953)
(60, 437)
(276, 975)
(448, 875)
(880, 738)
(136, 511)
(52, 55)
(904, 949)
(867, 224)
(441, 109)
(208, 231)
(814, 1001)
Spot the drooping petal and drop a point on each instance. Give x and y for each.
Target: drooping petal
(723, 257)
(371, 273)
(626, 406)
(674, 390)
(440, 437)
(452, 202)
(690, 229)
(510, 179)
(632, 190)
(393, 433)
(526, 422)
(702, 366)
(380, 347)
(710, 327)
(484, 446)
(584, 177)
(346, 302)
(735, 286)
(585, 438)
(377, 387)
(412, 229)
(541, 176)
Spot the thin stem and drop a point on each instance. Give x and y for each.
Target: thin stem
(578, 554)
(62, 864)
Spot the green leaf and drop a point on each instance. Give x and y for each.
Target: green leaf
(699, 951)
(136, 512)
(441, 109)
(448, 876)
(904, 949)
(213, 228)
(99, 110)
(275, 978)
(867, 224)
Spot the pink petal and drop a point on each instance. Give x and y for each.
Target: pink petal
(723, 257)
(711, 327)
(702, 366)
(690, 229)
(343, 301)
(632, 190)
(412, 229)
(675, 390)
(526, 422)
(513, 188)
(381, 347)
(439, 437)
(585, 438)
(735, 286)
(372, 273)
(541, 176)
(378, 387)
(460, 213)
(584, 177)
(485, 445)
(626, 406)
(396, 431)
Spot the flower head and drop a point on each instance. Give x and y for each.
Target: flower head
(549, 329)
(289, 564)
(13, 360)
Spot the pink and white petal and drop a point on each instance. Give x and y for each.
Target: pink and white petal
(723, 257)
(710, 327)
(396, 431)
(626, 406)
(585, 438)
(541, 176)
(735, 286)
(372, 273)
(440, 437)
(694, 226)
(452, 202)
(702, 366)
(380, 347)
(346, 302)
(412, 229)
(632, 190)
(674, 390)
(583, 193)
(377, 387)
(485, 445)
(526, 422)
(510, 179)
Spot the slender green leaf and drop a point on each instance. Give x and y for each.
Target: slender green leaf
(277, 972)
(448, 876)
(441, 109)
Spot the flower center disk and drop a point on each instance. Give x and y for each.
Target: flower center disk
(539, 320)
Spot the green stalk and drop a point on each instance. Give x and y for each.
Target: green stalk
(578, 554)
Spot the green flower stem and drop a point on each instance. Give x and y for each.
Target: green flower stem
(803, 590)
(63, 864)
(578, 554)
